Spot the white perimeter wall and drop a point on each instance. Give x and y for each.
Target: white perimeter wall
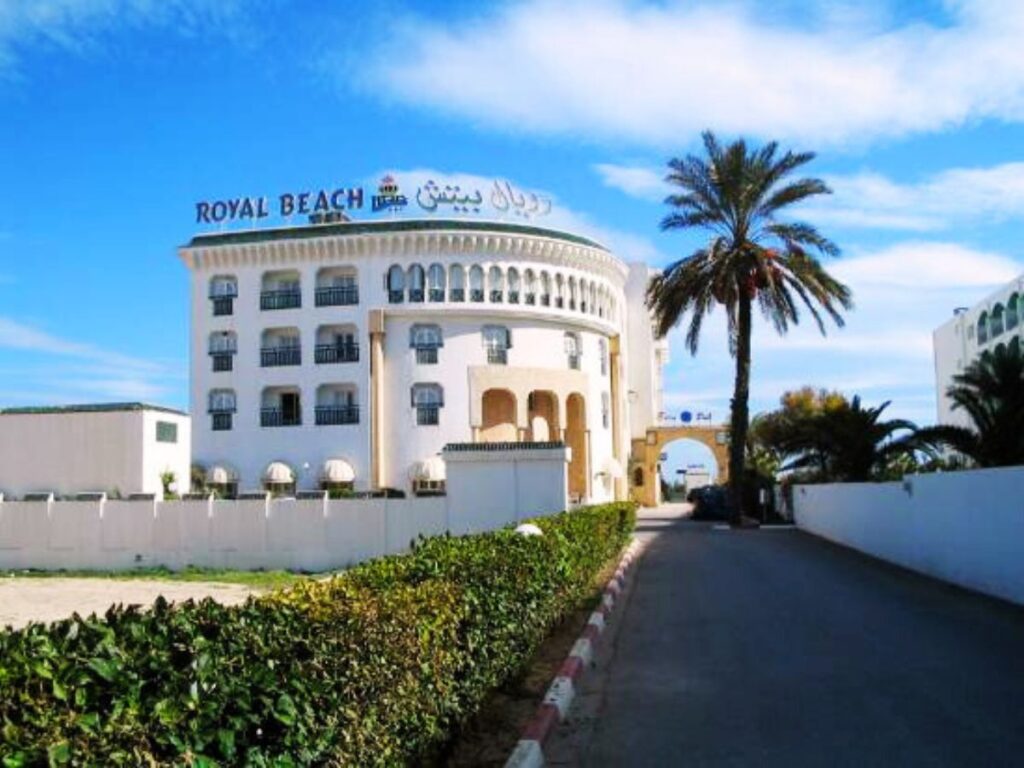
(310, 535)
(963, 527)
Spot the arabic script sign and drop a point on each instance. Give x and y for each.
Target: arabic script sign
(502, 198)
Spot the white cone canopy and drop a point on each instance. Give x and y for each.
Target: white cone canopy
(278, 472)
(432, 469)
(219, 474)
(338, 471)
(612, 468)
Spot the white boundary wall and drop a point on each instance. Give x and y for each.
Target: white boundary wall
(299, 534)
(966, 528)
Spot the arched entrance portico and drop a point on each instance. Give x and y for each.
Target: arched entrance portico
(499, 417)
(644, 480)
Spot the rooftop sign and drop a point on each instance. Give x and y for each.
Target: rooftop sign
(501, 199)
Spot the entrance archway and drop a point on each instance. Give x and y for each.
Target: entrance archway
(576, 440)
(542, 416)
(645, 483)
(499, 417)
(685, 464)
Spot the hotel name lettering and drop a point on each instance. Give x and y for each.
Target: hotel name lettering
(288, 204)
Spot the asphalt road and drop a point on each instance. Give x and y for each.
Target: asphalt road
(774, 648)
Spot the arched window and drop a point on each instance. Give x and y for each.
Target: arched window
(559, 291)
(221, 406)
(513, 285)
(583, 295)
(436, 280)
(545, 289)
(396, 284)
(1012, 311)
(606, 409)
(602, 346)
(336, 286)
(223, 292)
(416, 280)
(426, 340)
(529, 287)
(476, 283)
(496, 284)
(983, 328)
(427, 399)
(497, 341)
(336, 404)
(573, 293)
(280, 346)
(572, 350)
(457, 292)
(223, 347)
(638, 477)
(593, 298)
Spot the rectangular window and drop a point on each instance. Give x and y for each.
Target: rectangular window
(166, 432)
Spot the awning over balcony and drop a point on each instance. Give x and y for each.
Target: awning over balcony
(431, 469)
(219, 474)
(278, 472)
(338, 471)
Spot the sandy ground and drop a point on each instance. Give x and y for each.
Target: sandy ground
(47, 599)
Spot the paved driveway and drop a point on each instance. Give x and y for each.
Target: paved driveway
(773, 648)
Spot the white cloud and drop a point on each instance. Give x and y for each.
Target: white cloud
(922, 265)
(657, 74)
(636, 181)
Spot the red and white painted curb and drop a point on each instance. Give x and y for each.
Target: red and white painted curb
(554, 708)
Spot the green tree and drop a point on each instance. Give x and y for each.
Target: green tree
(736, 194)
(991, 391)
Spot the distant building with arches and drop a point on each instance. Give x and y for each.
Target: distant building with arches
(971, 333)
(347, 355)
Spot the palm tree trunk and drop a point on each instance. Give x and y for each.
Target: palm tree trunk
(740, 416)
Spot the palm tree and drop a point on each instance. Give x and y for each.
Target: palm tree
(991, 391)
(852, 443)
(736, 194)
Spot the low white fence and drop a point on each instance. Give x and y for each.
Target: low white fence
(302, 534)
(966, 528)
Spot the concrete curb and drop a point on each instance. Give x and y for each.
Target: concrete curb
(529, 752)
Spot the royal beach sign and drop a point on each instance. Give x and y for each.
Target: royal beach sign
(502, 198)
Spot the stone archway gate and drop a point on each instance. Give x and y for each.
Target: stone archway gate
(646, 455)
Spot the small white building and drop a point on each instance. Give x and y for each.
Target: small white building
(117, 448)
(992, 322)
(350, 354)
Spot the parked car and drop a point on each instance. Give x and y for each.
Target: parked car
(710, 503)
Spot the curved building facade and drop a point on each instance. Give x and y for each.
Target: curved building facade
(349, 354)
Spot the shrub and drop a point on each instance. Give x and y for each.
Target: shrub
(378, 666)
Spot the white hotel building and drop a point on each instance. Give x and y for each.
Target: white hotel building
(350, 354)
(997, 320)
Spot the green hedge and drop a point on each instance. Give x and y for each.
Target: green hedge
(375, 667)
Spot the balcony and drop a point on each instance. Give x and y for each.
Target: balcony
(221, 420)
(497, 297)
(426, 355)
(436, 294)
(513, 297)
(272, 357)
(559, 302)
(337, 296)
(545, 300)
(428, 415)
(336, 353)
(530, 299)
(457, 294)
(574, 361)
(416, 295)
(497, 356)
(396, 297)
(286, 299)
(222, 361)
(476, 294)
(329, 415)
(278, 417)
(223, 305)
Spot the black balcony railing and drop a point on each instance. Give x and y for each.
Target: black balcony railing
(428, 415)
(337, 295)
(278, 417)
(497, 356)
(396, 297)
(457, 294)
(327, 415)
(545, 300)
(286, 299)
(497, 297)
(530, 299)
(574, 361)
(271, 357)
(436, 294)
(476, 294)
(426, 355)
(583, 306)
(221, 420)
(222, 361)
(416, 295)
(513, 297)
(223, 305)
(337, 353)
(559, 302)
(572, 303)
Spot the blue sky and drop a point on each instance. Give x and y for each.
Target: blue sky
(117, 115)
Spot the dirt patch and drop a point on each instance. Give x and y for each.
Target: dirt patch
(45, 600)
(491, 736)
